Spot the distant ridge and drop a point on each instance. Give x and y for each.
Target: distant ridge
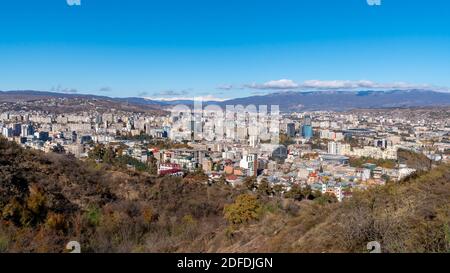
(288, 101)
(346, 100)
(30, 95)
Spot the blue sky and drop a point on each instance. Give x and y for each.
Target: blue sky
(222, 48)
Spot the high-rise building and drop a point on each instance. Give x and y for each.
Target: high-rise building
(74, 136)
(290, 129)
(307, 120)
(249, 162)
(23, 132)
(44, 136)
(17, 129)
(98, 119)
(382, 143)
(307, 131)
(333, 148)
(7, 132)
(253, 141)
(26, 130)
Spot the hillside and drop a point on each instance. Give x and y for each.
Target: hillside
(413, 216)
(346, 100)
(288, 101)
(414, 160)
(47, 200)
(60, 103)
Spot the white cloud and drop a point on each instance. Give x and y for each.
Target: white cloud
(225, 87)
(362, 84)
(203, 98)
(170, 93)
(285, 84)
(277, 84)
(65, 90)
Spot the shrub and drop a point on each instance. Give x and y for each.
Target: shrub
(93, 216)
(56, 221)
(36, 201)
(246, 208)
(189, 220)
(4, 242)
(326, 198)
(149, 215)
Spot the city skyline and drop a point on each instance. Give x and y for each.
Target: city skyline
(167, 50)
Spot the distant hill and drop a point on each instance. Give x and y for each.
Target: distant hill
(346, 100)
(29, 95)
(71, 105)
(288, 101)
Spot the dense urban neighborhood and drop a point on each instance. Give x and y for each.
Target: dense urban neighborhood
(333, 153)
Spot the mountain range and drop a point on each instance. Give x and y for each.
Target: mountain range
(288, 101)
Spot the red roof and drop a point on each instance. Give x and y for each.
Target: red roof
(231, 177)
(165, 172)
